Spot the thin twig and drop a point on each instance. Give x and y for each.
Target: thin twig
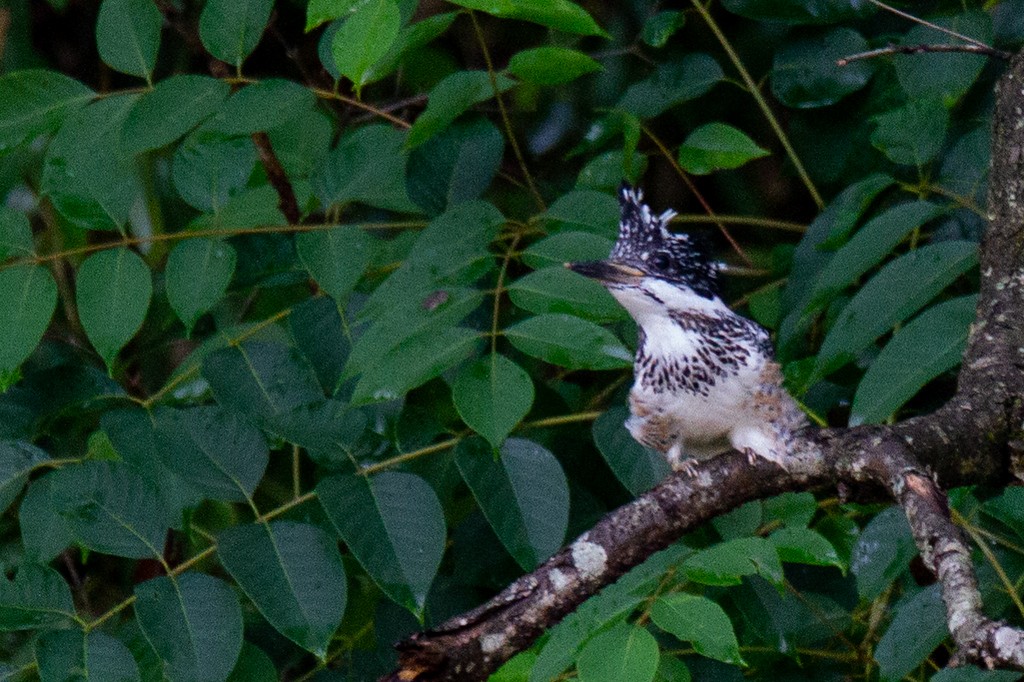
(286, 201)
(924, 22)
(921, 49)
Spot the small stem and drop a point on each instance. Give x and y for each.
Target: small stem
(296, 472)
(761, 102)
(504, 113)
(923, 22)
(921, 49)
(498, 289)
(783, 225)
(415, 454)
(286, 200)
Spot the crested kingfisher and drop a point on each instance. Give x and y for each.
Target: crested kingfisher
(705, 378)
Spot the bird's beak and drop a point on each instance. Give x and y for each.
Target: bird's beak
(607, 271)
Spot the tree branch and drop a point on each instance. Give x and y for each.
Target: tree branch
(921, 49)
(975, 438)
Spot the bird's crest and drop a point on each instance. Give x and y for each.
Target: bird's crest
(645, 242)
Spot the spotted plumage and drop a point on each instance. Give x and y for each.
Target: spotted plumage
(705, 379)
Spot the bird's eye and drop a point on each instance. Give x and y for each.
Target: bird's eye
(661, 261)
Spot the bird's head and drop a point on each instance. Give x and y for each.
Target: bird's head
(651, 270)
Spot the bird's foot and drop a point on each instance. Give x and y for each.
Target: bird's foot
(687, 466)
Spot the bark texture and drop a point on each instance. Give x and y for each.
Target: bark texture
(975, 438)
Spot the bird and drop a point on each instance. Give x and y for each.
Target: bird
(705, 377)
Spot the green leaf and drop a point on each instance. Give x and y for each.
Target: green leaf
(805, 73)
(335, 258)
(368, 166)
(65, 655)
(794, 510)
(931, 344)
(262, 106)
(804, 546)
(613, 603)
(569, 342)
(566, 247)
(741, 522)
(262, 380)
(113, 292)
(197, 275)
(869, 246)
(452, 97)
(883, 552)
(414, 362)
(561, 15)
(636, 467)
(293, 573)
(409, 39)
(28, 297)
(660, 27)
(918, 626)
(970, 673)
(364, 38)
(492, 395)
(899, 290)
(253, 666)
(551, 65)
(913, 134)
(44, 532)
(18, 459)
(676, 81)
(727, 562)
(606, 171)
(231, 29)
(946, 77)
(715, 146)
(596, 212)
(214, 450)
(454, 166)
(109, 508)
(318, 331)
(558, 290)
(321, 11)
(700, 621)
(209, 168)
(523, 494)
(625, 652)
(87, 174)
(172, 108)
(15, 234)
(394, 525)
(35, 102)
(193, 622)
(37, 598)
(128, 35)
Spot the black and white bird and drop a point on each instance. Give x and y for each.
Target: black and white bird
(705, 378)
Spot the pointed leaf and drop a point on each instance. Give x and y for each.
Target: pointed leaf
(109, 508)
(727, 562)
(128, 35)
(37, 598)
(637, 468)
(262, 106)
(700, 621)
(566, 247)
(625, 652)
(44, 532)
(35, 102)
(551, 65)
(28, 297)
(209, 168)
(197, 275)
(569, 342)
(253, 666)
(364, 38)
(715, 146)
(414, 362)
(214, 450)
(450, 98)
(492, 395)
(523, 494)
(193, 622)
(394, 525)
(231, 29)
(172, 108)
(805, 546)
(899, 290)
(368, 165)
(677, 80)
(912, 134)
(918, 626)
(17, 459)
(335, 258)
(932, 343)
(65, 655)
(561, 15)
(113, 294)
(559, 290)
(293, 574)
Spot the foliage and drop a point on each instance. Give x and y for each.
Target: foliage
(239, 443)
